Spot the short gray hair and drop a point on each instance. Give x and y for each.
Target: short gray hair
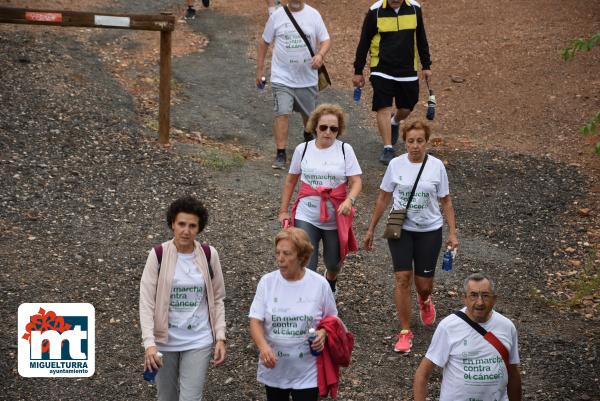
(478, 277)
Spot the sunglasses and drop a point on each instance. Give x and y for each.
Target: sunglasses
(332, 128)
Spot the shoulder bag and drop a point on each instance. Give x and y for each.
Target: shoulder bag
(393, 229)
(324, 80)
(487, 335)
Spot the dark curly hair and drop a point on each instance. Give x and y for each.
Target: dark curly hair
(191, 205)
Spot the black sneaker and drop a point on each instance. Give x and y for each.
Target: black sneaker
(190, 13)
(308, 136)
(206, 3)
(279, 162)
(387, 155)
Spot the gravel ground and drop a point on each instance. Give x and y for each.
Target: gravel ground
(85, 187)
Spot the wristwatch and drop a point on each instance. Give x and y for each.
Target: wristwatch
(352, 200)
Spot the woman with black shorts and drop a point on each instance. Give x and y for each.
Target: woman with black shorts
(415, 253)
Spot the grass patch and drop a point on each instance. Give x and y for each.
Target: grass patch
(151, 123)
(219, 159)
(587, 284)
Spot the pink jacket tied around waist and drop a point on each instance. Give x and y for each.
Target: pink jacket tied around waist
(337, 195)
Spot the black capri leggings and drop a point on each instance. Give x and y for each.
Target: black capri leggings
(421, 247)
(283, 394)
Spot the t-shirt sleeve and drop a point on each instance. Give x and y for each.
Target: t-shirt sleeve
(269, 32)
(439, 349)
(257, 309)
(329, 307)
(387, 183)
(513, 354)
(444, 188)
(352, 166)
(322, 33)
(295, 167)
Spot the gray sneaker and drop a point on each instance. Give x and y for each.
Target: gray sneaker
(387, 155)
(279, 162)
(395, 131)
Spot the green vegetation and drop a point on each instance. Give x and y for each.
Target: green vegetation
(587, 284)
(219, 159)
(578, 45)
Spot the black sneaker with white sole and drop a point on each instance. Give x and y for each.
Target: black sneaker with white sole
(280, 160)
(190, 13)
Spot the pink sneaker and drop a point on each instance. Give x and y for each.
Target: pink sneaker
(427, 311)
(404, 343)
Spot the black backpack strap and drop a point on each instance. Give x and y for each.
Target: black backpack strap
(208, 253)
(304, 151)
(344, 150)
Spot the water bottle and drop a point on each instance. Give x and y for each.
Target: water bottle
(447, 260)
(263, 82)
(150, 375)
(431, 106)
(312, 336)
(357, 93)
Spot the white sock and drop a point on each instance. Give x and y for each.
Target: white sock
(388, 147)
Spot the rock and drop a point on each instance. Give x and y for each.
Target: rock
(456, 79)
(584, 211)
(570, 250)
(575, 262)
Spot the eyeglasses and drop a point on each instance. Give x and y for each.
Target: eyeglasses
(485, 296)
(332, 128)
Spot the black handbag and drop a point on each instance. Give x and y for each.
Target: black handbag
(393, 228)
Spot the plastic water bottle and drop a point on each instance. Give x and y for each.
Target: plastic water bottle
(357, 93)
(312, 336)
(150, 375)
(447, 260)
(431, 106)
(263, 82)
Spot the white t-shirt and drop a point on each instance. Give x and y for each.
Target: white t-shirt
(424, 213)
(473, 369)
(291, 61)
(322, 168)
(189, 326)
(288, 309)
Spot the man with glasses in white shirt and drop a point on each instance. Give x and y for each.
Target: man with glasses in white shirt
(473, 367)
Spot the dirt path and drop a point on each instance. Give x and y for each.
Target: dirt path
(93, 201)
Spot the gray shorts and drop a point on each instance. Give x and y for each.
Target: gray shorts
(302, 100)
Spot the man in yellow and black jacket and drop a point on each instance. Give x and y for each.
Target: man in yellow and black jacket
(394, 34)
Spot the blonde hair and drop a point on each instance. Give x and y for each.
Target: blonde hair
(301, 242)
(416, 125)
(322, 110)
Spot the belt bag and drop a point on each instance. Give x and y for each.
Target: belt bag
(393, 229)
(324, 80)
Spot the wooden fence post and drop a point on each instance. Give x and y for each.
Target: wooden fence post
(164, 92)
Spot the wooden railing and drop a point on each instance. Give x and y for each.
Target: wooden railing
(165, 23)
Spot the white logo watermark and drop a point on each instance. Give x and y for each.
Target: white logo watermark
(56, 340)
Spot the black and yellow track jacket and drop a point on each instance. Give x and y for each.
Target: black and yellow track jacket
(393, 40)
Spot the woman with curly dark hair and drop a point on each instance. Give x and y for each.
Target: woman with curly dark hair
(182, 315)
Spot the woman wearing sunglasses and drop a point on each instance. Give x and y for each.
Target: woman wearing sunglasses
(330, 181)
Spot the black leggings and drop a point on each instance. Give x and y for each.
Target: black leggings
(283, 394)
